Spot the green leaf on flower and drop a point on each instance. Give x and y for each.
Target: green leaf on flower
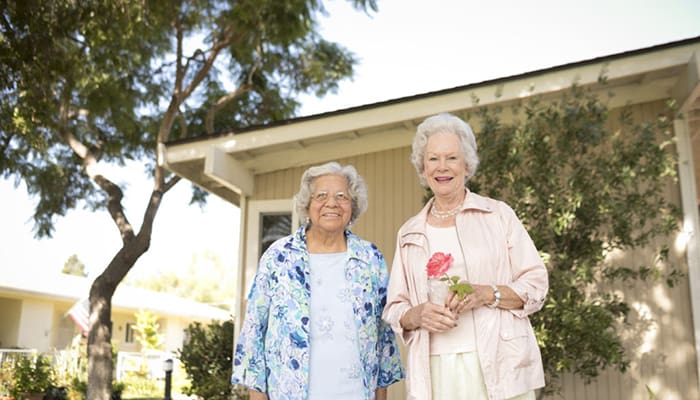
(462, 289)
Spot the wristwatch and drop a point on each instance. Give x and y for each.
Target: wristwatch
(497, 295)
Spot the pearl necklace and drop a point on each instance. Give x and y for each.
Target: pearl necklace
(444, 214)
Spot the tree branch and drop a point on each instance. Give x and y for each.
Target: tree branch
(209, 120)
(183, 124)
(90, 163)
(248, 86)
(179, 94)
(206, 68)
(150, 213)
(170, 183)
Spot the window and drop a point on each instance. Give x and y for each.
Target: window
(274, 226)
(129, 336)
(268, 220)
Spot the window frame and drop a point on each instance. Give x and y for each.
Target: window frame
(256, 210)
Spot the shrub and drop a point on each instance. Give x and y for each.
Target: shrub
(31, 375)
(587, 183)
(207, 357)
(6, 378)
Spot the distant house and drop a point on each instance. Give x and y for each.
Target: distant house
(258, 169)
(34, 312)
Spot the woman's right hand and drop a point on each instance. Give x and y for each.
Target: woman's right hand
(433, 317)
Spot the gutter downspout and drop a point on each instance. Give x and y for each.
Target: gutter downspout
(238, 296)
(691, 226)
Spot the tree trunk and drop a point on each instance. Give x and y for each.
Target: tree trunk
(99, 346)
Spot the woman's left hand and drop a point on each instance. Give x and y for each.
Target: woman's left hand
(480, 296)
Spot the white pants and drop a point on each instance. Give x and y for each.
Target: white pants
(458, 376)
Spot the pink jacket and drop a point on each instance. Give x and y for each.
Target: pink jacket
(498, 250)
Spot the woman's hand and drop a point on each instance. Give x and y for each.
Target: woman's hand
(433, 317)
(255, 395)
(481, 296)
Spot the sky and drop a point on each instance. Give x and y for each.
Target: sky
(409, 47)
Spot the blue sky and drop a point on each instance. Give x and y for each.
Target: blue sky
(408, 47)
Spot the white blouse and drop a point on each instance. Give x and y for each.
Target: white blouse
(461, 338)
(335, 369)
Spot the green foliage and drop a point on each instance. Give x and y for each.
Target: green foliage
(461, 288)
(78, 390)
(105, 81)
(32, 375)
(205, 280)
(147, 331)
(70, 366)
(207, 358)
(73, 266)
(56, 393)
(585, 183)
(70, 371)
(74, 70)
(138, 384)
(7, 377)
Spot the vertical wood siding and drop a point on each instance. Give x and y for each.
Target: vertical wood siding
(393, 191)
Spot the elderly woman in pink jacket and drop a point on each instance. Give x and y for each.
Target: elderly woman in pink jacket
(468, 335)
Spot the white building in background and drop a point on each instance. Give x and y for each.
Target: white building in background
(34, 312)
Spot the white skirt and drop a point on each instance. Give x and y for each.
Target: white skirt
(458, 376)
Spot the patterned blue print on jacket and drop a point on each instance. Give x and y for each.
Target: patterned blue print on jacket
(272, 351)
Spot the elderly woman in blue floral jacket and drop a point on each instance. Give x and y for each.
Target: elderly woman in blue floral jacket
(313, 327)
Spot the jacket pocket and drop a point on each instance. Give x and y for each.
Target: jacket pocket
(515, 348)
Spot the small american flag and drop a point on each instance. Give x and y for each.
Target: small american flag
(80, 314)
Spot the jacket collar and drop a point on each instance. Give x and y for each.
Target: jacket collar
(472, 201)
(356, 246)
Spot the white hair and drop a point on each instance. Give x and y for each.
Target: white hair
(357, 189)
(445, 123)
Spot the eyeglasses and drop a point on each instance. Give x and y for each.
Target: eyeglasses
(322, 197)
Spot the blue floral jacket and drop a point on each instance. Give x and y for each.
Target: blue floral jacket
(272, 351)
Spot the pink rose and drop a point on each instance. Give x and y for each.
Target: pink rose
(438, 264)
(437, 267)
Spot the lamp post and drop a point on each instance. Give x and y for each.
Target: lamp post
(168, 368)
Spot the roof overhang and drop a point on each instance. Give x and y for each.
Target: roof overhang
(226, 164)
(69, 288)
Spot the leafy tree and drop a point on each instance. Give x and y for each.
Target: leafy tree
(586, 182)
(88, 83)
(147, 331)
(207, 356)
(73, 266)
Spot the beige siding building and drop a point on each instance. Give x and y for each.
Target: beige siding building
(34, 312)
(259, 170)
